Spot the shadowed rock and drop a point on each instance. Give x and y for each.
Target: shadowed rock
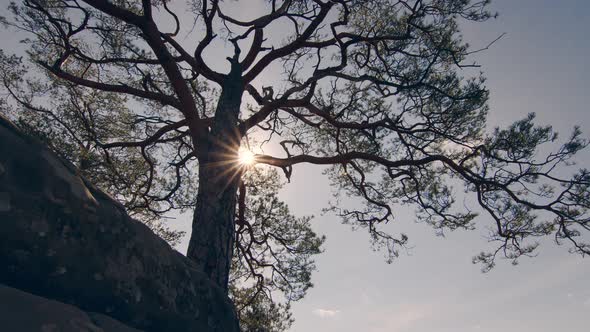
(63, 239)
(28, 312)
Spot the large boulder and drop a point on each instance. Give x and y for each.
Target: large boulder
(22, 311)
(63, 239)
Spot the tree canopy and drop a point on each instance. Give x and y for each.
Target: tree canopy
(135, 94)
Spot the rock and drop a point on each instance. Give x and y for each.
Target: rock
(63, 239)
(21, 311)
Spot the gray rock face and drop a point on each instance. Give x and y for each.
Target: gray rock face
(21, 311)
(63, 239)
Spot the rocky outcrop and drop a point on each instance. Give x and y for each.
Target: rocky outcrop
(21, 311)
(63, 239)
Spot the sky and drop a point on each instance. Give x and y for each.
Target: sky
(539, 65)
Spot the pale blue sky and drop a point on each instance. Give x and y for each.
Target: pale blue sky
(538, 66)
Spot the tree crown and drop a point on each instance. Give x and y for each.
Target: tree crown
(371, 88)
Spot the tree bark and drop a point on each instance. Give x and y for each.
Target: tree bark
(212, 238)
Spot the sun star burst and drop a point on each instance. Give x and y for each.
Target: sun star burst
(246, 157)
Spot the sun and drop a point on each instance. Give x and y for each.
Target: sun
(246, 157)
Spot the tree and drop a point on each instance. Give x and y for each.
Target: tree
(370, 88)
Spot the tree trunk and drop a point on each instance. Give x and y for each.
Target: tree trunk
(211, 243)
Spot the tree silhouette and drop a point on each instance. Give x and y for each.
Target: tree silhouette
(371, 88)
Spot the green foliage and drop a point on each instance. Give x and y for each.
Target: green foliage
(258, 312)
(274, 252)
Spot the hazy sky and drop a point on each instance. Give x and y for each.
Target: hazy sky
(540, 66)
